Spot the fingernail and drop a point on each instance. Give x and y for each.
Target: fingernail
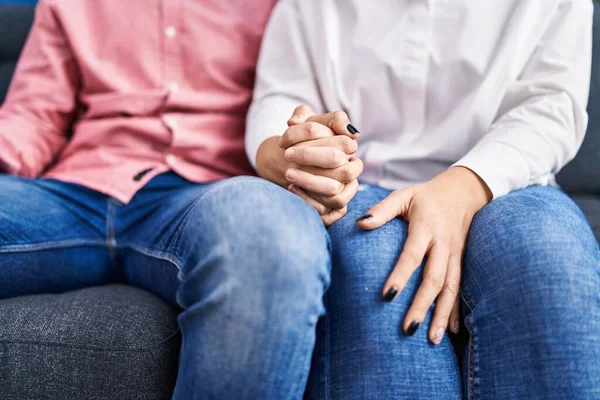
(438, 335)
(366, 217)
(412, 328)
(291, 174)
(391, 294)
(292, 189)
(289, 154)
(455, 327)
(352, 129)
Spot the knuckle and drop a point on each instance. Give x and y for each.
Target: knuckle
(311, 130)
(337, 157)
(360, 165)
(413, 258)
(346, 174)
(340, 117)
(301, 109)
(334, 188)
(452, 287)
(302, 155)
(348, 145)
(321, 209)
(435, 281)
(337, 202)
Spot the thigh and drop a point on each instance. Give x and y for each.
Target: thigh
(51, 237)
(240, 228)
(361, 349)
(536, 237)
(530, 286)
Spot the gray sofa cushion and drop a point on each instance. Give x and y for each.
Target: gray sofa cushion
(110, 342)
(582, 175)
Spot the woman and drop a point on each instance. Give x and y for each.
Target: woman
(466, 111)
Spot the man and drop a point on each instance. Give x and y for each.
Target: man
(155, 95)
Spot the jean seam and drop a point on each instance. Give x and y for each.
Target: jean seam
(57, 244)
(158, 254)
(327, 364)
(163, 342)
(472, 357)
(111, 241)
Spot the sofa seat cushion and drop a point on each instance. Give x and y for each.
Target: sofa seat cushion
(109, 342)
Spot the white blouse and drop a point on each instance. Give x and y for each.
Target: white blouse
(497, 86)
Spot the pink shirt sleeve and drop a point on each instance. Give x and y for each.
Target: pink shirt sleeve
(41, 101)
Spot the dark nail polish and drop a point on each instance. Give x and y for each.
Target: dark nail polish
(366, 217)
(412, 328)
(391, 294)
(352, 129)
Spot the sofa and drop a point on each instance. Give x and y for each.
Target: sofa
(120, 342)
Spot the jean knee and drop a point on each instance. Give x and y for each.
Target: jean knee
(535, 251)
(261, 244)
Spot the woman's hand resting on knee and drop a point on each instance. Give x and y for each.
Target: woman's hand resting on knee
(439, 215)
(314, 159)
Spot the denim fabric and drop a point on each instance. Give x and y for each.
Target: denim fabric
(531, 291)
(109, 342)
(361, 352)
(231, 254)
(531, 287)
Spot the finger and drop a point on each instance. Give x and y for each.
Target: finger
(345, 174)
(334, 216)
(339, 201)
(338, 121)
(303, 132)
(386, 210)
(323, 157)
(445, 301)
(314, 183)
(455, 314)
(321, 209)
(344, 143)
(416, 246)
(300, 115)
(434, 277)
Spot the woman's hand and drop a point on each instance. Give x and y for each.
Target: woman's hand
(439, 214)
(313, 159)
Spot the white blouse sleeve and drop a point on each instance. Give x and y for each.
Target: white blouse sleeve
(542, 119)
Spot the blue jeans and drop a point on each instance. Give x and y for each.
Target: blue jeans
(531, 305)
(249, 264)
(231, 254)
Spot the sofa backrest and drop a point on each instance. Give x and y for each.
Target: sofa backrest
(582, 175)
(15, 21)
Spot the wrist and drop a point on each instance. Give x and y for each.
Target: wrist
(271, 163)
(478, 192)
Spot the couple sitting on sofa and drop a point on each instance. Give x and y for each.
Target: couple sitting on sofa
(465, 110)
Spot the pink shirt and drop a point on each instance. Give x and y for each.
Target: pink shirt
(145, 86)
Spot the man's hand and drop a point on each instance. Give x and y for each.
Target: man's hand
(313, 159)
